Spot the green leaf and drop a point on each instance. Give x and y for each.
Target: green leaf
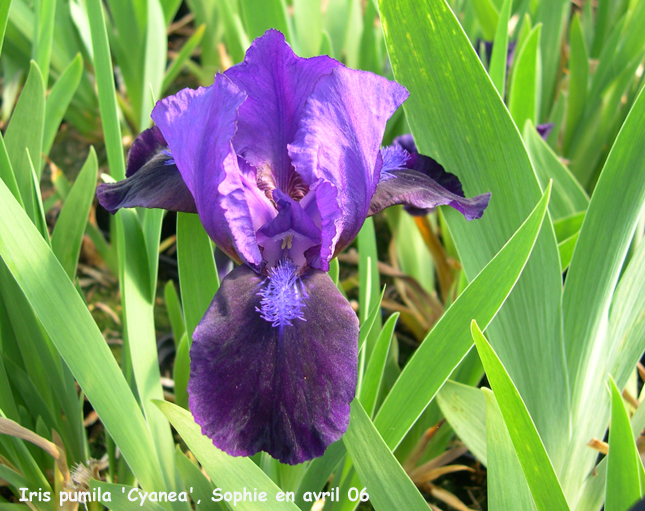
(568, 226)
(59, 99)
(603, 18)
(538, 470)
(154, 61)
(185, 53)
(318, 473)
(566, 249)
(368, 278)
(388, 486)
(39, 212)
(578, 81)
(6, 172)
(524, 94)
(458, 118)
(465, 410)
(175, 314)
(627, 320)
(25, 132)
(308, 25)
(119, 494)
(374, 373)
(487, 16)
(507, 489)
(44, 33)
(226, 472)
(198, 281)
(236, 39)
(194, 478)
(261, 15)
(553, 15)
(497, 68)
(181, 372)
(450, 340)
(70, 225)
(568, 196)
(623, 460)
(4, 16)
(72, 330)
(612, 216)
(107, 94)
(138, 307)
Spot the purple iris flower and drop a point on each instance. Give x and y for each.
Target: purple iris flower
(281, 160)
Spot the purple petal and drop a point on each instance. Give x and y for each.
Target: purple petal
(545, 129)
(148, 144)
(152, 182)
(283, 389)
(155, 185)
(338, 141)
(416, 189)
(289, 234)
(430, 167)
(199, 125)
(277, 83)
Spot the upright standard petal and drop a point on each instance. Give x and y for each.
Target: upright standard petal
(274, 364)
(277, 83)
(198, 126)
(338, 141)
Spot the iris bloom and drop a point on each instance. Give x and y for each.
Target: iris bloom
(281, 160)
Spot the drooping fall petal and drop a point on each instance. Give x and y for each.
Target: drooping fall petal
(274, 364)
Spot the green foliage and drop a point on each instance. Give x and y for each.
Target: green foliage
(561, 295)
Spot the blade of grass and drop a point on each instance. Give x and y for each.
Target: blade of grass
(70, 225)
(612, 216)
(450, 340)
(388, 486)
(138, 306)
(6, 173)
(552, 14)
(465, 410)
(175, 315)
(487, 16)
(627, 320)
(368, 281)
(566, 249)
(623, 460)
(457, 117)
(74, 333)
(194, 478)
(44, 32)
(106, 91)
(226, 472)
(538, 470)
(374, 372)
(59, 99)
(524, 93)
(261, 15)
(121, 495)
(181, 372)
(578, 81)
(198, 280)
(568, 196)
(307, 20)
(154, 60)
(185, 53)
(507, 489)
(497, 69)
(25, 131)
(4, 17)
